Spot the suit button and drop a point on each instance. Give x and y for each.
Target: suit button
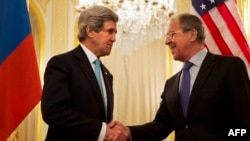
(186, 126)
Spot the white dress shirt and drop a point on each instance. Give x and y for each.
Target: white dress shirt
(92, 57)
(197, 60)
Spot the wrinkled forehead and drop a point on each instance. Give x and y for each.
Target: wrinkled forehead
(109, 24)
(174, 24)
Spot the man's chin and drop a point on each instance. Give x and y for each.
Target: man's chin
(106, 54)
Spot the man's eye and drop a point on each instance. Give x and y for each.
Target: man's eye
(111, 31)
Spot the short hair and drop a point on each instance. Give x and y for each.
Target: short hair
(189, 21)
(94, 17)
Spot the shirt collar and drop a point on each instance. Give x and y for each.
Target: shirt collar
(91, 56)
(198, 58)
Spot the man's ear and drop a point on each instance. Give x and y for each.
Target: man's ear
(89, 31)
(193, 35)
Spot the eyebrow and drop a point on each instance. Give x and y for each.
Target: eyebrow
(110, 30)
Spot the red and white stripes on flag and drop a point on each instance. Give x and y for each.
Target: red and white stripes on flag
(224, 29)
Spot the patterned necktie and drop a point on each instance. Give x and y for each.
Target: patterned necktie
(97, 73)
(185, 87)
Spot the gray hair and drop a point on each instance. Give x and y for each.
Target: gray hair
(188, 22)
(94, 17)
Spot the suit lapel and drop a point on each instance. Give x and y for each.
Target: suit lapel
(202, 75)
(83, 62)
(108, 85)
(173, 97)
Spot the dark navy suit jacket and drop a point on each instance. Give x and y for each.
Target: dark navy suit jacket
(220, 100)
(71, 102)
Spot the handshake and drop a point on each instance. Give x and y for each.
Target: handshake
(116, 131)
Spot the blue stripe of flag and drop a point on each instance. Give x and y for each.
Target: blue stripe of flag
(14, 26)
(199, 5)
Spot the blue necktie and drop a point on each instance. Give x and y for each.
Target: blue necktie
(98, 77)
(185, 87)
(97, 73)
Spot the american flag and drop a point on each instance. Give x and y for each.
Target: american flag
(224, 28)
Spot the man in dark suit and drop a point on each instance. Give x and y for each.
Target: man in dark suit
(218, 92)
(74, 104)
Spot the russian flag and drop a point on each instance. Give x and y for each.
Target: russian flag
(20, 86)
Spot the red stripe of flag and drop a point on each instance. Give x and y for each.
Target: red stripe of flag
(214, 31)
(20, 87)
(235, 30)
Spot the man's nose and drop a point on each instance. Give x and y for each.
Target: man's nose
(168, 41)
(113, 38)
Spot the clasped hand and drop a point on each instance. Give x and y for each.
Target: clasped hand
(116, 131)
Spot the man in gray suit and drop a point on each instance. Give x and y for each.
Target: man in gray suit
(75, 105)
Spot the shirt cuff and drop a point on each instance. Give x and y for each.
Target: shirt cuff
(102, 132)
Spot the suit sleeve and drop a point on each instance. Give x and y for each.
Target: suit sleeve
(156, 130)
(239, 89)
